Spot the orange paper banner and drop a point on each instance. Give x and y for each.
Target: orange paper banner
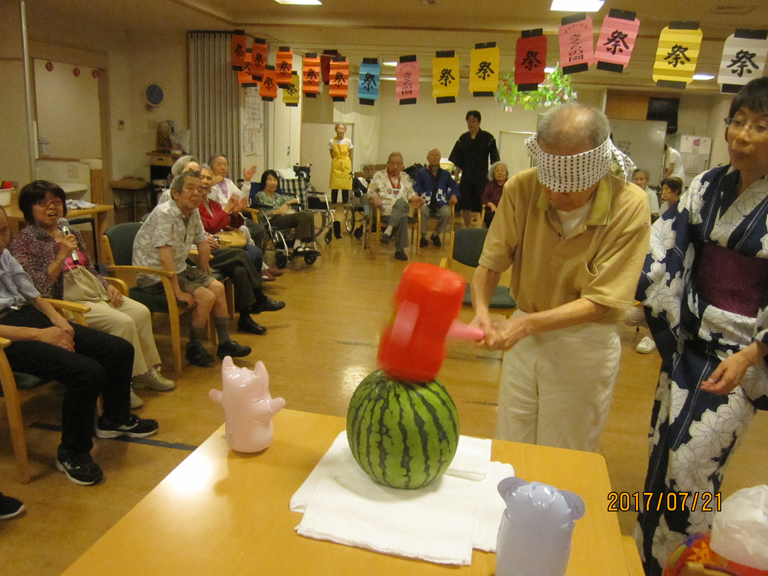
(244, 76)
(284, 66)
(311, 75)
(258, 58)
(339, 79)
(238, 50)
(268, 90)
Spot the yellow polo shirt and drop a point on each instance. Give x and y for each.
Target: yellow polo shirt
(600, 260)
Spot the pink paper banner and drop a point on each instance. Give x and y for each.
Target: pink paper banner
(616, 42)
(576, 53)
(407, 90)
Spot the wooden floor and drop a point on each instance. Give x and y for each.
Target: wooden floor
(316, 351)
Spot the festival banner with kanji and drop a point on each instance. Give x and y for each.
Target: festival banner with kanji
(576, 43)
(676, 56)
(244, 76)
(268, 88)
(238, 50)
(617, 40)
(284, 66)
(484, 69)
(407, 73)
(445, 76)
(258, 58)
(338, 86)
(368, 85)
(311, 75)
(292, 93)
(325, 64)
(744, 55)
(530, 60)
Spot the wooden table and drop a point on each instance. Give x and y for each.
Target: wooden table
(99, 213)
(221, 512)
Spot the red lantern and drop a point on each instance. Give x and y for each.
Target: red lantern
(284, 66)
(238, 50)
(258, 58)
(530, 60)
(339, 79)
(268, 91)
(311, 75)
(325, 64)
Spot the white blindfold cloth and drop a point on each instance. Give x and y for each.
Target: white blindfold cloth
(580, 171)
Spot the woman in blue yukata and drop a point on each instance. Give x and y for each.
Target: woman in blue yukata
(705, 291)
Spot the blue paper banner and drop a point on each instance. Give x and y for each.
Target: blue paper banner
(370, 76)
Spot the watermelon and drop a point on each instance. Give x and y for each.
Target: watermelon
(402, 434)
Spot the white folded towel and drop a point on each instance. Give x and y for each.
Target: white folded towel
(439, 523)
(429, 524)
(472, 459)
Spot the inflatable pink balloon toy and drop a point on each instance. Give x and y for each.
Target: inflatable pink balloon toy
(248, 407)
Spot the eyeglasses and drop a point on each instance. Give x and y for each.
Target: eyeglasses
(739, 125)
(52, 201)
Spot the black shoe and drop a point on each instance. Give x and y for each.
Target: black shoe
(10, 507)
(198, 355)
(246, 324)
(134, 427)
(423, 243)
(436, 240)
(79, 468)
(401, 255)
(268, 305)
(337, 230)
(233, 349)
(385, 238)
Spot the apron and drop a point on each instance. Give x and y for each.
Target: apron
(341, 167)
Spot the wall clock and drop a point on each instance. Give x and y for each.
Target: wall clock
(154, 95)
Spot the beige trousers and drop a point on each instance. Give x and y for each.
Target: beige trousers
(131, 321)
(556, 387)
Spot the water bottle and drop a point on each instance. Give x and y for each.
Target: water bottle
(535, 532)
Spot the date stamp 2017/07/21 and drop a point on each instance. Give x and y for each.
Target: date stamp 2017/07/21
(661, 501)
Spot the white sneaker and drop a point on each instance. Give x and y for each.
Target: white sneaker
(646, 345)
(136, 402)
(153, 379)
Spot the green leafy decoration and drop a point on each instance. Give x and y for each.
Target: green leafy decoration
(556, 89)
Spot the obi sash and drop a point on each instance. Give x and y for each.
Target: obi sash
(731, 281)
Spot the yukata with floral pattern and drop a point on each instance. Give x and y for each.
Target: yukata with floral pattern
(704, 249)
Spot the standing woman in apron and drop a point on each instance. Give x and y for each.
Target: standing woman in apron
(341, 164)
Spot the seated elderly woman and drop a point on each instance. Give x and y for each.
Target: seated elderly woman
(497, 177)
(61, 268)
(87, 362)
(281, 214)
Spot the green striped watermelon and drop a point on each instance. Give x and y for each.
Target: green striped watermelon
(403, 434)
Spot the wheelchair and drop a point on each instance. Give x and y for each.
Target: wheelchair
(355, 218)
(310, 199)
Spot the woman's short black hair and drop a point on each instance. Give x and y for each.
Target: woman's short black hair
(474, 113)
(35, 191)
(754, 97)
(674, 184)
(264, 176)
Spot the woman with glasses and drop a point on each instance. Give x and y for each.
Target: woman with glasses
(705, 291)
(62, 268)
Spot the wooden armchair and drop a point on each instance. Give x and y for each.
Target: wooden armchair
(378, 220)
(18, 387)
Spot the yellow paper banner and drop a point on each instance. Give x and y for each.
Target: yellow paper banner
(677, 54)
(445, 76)
(484, 69)
(292, 94)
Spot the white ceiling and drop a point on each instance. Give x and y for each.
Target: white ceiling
(388, 29)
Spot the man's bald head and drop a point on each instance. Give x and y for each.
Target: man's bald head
(572, 129)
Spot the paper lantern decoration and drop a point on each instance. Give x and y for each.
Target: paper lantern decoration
(368, 84)
(292, 93)
(445, 76)
(238, 50)
(244, 76)
(268, 90)
(284, 66)
(744, 55)
(325, 64)
(338, 86)
(530, 60)
(484, 69)
(676, 55)
(617, 40)
(311, 75)
(407, 74)
(576, 52)
(258, 58)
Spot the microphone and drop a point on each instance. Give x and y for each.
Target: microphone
(63, 225)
